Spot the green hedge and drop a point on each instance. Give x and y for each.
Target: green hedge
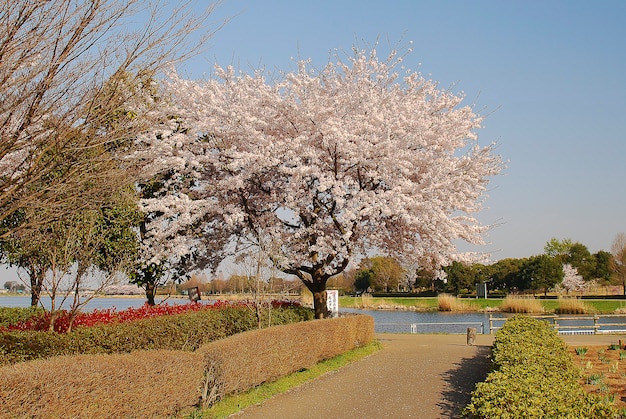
(533, 377)
(186, 331)
(13, 315)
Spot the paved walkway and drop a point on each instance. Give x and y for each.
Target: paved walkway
(414, 376)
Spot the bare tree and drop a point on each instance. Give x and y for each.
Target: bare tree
(618, 261)
(65, 71)
(76, 257)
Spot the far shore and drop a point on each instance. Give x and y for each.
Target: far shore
(416, 304)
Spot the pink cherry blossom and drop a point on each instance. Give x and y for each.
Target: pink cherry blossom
(323, 166)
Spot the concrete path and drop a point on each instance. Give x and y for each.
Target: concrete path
(414, 376)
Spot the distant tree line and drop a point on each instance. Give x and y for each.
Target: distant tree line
(565, 264)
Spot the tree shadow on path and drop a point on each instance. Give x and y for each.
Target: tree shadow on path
(461, 381)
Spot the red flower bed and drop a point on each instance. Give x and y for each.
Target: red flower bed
(111, 315)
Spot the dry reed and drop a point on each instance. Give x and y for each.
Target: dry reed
(447, 302)
(521, 304)
(367, 301)
(573, 306)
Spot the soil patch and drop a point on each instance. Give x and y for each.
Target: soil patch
(603, 370)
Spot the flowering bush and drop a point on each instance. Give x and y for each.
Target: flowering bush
(41, 322)
(186, 331)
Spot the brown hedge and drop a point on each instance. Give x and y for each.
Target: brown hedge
(164, 383)
(248, 359)
(144, 384)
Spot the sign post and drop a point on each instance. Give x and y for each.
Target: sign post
(332, 302)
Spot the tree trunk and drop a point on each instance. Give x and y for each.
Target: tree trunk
(315, 280)
(53, 318)
(36, 275)
(35, 294)
(319, 305)
(150, 293)
(317, 286)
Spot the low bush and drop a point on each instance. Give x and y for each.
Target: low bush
(10, 316)
(234, 366)
(533, 376)
(164, 383)
(186, 331)
(144, 384)
(39, 320)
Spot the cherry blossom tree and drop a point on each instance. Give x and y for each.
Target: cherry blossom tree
(324, 165)
(572, 280)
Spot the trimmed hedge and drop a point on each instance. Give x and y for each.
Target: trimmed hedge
(13, 315)
(234, 365)
(175, 332)
(533, 377)
(164, 383)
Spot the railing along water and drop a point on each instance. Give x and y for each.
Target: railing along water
(434, 327)
(415, 326)
(573, 325)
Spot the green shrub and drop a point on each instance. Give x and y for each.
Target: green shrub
(13, 315)
(186, 331)
(533, 377)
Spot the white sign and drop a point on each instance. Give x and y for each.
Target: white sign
(332, 302)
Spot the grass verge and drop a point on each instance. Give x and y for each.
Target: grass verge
(477, 305)
(233, 404)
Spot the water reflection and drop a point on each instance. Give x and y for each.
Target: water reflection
(119, 303)
(425, 322)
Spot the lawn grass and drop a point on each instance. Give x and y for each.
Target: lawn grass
(234, 404)
(475, 304)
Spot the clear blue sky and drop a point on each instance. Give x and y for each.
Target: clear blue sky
(549, 75)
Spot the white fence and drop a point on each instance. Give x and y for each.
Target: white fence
(573, 325)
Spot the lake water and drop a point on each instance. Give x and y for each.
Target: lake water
(119, 303)
(384, 321)
(425, 322)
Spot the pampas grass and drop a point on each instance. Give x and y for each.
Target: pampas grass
(447, 302)
(367, 301)
(520, 304)
(572, 306)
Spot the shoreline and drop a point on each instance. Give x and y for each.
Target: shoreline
(383, 306)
